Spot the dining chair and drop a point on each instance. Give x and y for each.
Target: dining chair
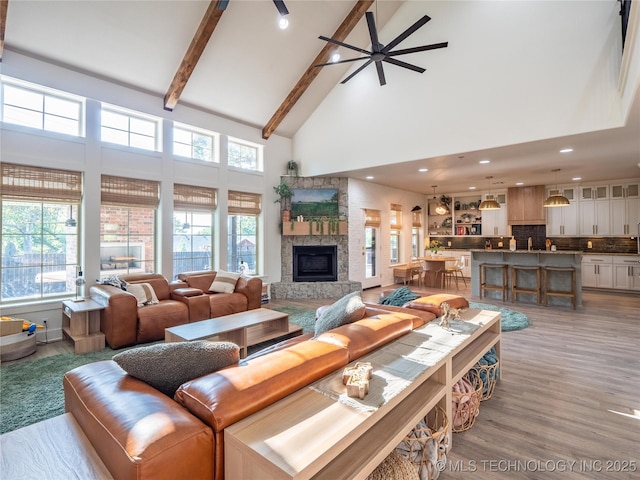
(455, 272)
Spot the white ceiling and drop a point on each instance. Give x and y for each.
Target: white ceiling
(250, 65)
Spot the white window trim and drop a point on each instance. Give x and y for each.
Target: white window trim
(215, 142)
(134, 114)
(260, 154)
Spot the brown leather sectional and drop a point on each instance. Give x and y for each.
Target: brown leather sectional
(140, 433)
(186, 300)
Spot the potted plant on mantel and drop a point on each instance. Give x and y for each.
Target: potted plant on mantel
(285, 193)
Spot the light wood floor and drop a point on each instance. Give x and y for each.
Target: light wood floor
(570, 392)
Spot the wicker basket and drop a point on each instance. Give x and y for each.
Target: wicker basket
(466, 406)
(394, 467)
(488, 374)
(426, 445)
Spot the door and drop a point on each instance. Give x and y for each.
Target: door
(371, 252)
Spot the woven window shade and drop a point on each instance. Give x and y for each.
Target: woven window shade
(20, 182)
(371, 218)
(188, 197)
(129, 192)
(244, 203)
(416, 219)
(396, 216)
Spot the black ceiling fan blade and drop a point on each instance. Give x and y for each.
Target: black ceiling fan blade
(406, 33)
(282, 9)
(423, 48)
(346, 45)
(380, 70)
(373, 33)
(342, 61)
(222, 4)
(358, 70)
(400, 63)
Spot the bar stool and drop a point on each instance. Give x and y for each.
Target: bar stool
(548, 292)
(516, 289)
(484, 286)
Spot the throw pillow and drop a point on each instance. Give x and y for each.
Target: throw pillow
(225, 282)
(348, 309)
(166, 366)
(144, 293)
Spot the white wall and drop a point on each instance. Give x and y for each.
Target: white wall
(27, 146)
(514, 71)
(378, 197)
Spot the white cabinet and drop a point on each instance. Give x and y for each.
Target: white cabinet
(563, 221)
(594, 210)
(597, 271)
(494, 222)
(626, 272)
(625, 208)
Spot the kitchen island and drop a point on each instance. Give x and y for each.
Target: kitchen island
(560, 281)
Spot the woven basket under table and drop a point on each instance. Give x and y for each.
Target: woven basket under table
(488, 374)
(466, 406)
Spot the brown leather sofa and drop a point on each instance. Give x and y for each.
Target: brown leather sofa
(140, 433)
(183, 301)
(124, 324)
(203, 304)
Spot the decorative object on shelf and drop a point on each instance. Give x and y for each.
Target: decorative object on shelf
(80, 282)
(293, 169)
(357, 378)
(285, 193)
(556, 199)
(512, 244)
(447, 222)
(489, 202)
(449, 314)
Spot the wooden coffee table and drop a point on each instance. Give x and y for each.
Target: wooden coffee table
(244, 329)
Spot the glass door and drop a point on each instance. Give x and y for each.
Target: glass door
(371, 254)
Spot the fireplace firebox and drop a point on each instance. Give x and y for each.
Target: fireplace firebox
(315, 263)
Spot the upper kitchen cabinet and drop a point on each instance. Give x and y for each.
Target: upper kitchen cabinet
(526, 205)
(563, 221)
(625, 209)
(494, 222)
(594, 210)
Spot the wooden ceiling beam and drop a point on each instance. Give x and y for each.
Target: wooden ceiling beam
(190, 60)
(4, 6)
(345, 28)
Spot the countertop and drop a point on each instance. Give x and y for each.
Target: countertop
(546, 252)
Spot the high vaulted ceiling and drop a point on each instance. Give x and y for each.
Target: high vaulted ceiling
(248, 68)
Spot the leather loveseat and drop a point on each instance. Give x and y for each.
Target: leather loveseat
(140, 433)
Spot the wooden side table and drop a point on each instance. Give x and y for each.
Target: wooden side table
(81, 323)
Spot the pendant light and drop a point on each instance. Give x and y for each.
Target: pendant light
(556, 199)
(489, 202)
(71, 222)
(441, 208)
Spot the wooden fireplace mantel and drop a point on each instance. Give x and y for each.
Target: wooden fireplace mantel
(302, 228)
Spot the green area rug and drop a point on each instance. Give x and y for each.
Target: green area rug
(31, 390)
(510, 321)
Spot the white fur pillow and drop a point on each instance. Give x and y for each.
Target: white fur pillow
(225, 282)
(144, 293)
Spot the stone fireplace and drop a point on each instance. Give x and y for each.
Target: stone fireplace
(315, 283)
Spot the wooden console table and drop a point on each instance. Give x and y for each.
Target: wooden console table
(312, 435)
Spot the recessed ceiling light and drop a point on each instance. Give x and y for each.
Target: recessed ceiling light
(423, 169)
(369, 177)
(566, 150)
(472, 188)
(484, 161)
(575, 179)
(519, 183)
(335, 57)
(283, 23)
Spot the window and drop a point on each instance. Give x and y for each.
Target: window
(129, 128)
(39, 232)
(244, 155)
(43, 108)
(395, 222)
(416, 225)
(194, 143)
(244, 209)
(127, 225)
(193, 209)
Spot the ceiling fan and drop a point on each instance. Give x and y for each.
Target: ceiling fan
(384, 53)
